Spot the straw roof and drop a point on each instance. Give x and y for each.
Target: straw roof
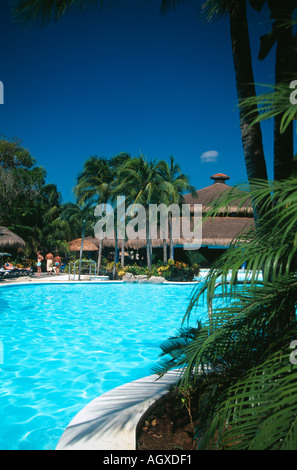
(8, 239)
(93, 240)
(206, 196)
(219, 231)
(75, 245)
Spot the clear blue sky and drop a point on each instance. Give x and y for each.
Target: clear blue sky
(126, 79)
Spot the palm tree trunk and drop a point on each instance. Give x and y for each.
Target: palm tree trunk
(82, 245)
(123, 253)
(164, 251)
(148, 245)
(283, 142)
(170, 236)
(100, 247)
(251, 136)
(99, 256)
(115, 255)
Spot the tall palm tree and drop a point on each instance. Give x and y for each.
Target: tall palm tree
(117, 163)
(251, 135)
(281, 33)
(79, 217)
(55, 231)
(94, 186)
(139, 180)
(174, 184)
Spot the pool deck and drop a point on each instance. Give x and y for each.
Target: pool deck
(110, 421)
(44, 278)
(62, 278)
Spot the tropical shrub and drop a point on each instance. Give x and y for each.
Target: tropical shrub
(177, 271)
(172, 271)
(238, 361)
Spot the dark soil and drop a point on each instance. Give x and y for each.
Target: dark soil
(167, 427)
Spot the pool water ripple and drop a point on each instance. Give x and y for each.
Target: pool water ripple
(66, 344)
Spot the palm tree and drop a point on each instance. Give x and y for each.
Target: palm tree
(55, 231)
(281, 33)
(79, 217)
(174, 185)
(251, 135)
(94, 186)
(239, 360)
(117, 163)
(138, 181)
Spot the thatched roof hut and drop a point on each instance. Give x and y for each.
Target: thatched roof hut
(9, 240)
(93, 240)
(75, 245)
(220, 232)
(217, 232)
(213, 192)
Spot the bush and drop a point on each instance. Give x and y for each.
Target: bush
(177, 271)
(172, 271)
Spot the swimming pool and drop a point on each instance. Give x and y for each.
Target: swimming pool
(66, 344)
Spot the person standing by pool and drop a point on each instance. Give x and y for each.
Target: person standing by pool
(57, 262)
(49, 263)
(39, 259)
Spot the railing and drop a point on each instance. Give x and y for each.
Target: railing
(81, 269)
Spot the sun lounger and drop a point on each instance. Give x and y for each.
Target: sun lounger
(7, 273)
(11, 271)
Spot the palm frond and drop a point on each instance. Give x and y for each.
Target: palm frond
(215, 9)
(273, 103)
(46, 11)
(259, 411)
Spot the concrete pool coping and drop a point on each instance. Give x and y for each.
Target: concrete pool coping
(65, 280)
(109, 422)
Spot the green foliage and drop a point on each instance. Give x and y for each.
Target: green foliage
(20, 183)
(177, 271)
(239, 357)
(172, 271)
(43, 12)
(273, 103)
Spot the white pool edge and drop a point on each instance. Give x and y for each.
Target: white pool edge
(109, 422)
(65, 281)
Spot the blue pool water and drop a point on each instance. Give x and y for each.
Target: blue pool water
(63, 345)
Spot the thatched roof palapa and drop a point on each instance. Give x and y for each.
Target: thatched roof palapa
(75, 245)
(218, 231)
(206, 196)
(8, 239)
